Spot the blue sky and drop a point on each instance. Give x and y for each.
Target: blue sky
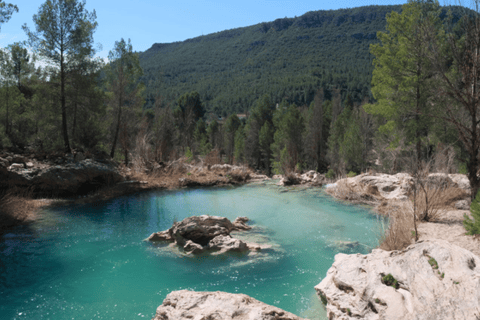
(147, 22)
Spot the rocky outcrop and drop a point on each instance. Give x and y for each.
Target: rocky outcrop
(377, 187)
(200, 234)
(69, 179)
(428, 280)
(311, 178)
(184, 304)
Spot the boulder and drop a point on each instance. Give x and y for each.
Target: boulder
(192, 247)
(428, 280)
(462, 205)
(240, 223)
(227, 243)
(191, 305)
(197, 234)
(201, 229)
(15, 166)
(460, 181)
(160, 236)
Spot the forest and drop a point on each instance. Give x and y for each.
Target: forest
(340, 92)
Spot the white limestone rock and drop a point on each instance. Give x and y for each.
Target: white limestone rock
(191, 305)
(353, 287)
(224, 244)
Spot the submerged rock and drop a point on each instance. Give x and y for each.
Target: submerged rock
(198, 234)
(184, 304)
(428, 280)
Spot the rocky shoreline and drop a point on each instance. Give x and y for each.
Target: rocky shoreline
(355, 285)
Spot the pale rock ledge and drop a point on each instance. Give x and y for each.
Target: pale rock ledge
(191, 305)
(436, 280)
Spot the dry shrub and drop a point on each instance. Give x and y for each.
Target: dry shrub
(434, 202)
(344, 190)
(399, 234)
(291, 178)
(239, 175)
(213, 158)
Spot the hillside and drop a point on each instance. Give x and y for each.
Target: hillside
(287, 58)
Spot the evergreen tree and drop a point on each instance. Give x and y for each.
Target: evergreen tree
(261, 112)
(230, 128)
(403, 74)
(64, 35)
(265, 141)
(6, 11)
(287, 146)
(123, 74)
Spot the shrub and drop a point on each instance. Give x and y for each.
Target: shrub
(330, 174)
(389, 280)
(398, 234)
(351, 174)
(473, 225)
(433, 263)
(188, 155)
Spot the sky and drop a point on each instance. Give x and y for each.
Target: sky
(146, 22)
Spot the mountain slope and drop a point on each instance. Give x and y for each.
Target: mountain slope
(287, 58)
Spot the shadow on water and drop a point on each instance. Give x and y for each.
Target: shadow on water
(27, 264)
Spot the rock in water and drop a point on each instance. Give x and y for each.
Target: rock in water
(227, 243)
(191, 305)
(428, 280)
(198, 234)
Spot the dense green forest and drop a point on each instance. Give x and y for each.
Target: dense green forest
(289, 58)
(380, 87)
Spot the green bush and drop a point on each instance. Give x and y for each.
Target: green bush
(351, 174)
(330, 174)
(188, 155)
(433, 263)
(473, 225)
(389, 280)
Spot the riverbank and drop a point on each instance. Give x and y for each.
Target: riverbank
(32, 182)
(391, 195)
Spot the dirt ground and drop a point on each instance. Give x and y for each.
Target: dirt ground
(449, 227)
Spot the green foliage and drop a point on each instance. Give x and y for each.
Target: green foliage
(351, 174)
(472, 225)
(462, 168)
(233, 68)
(433, 263)
(330, 174)
(6, 11)
(239, 152)
(188, 155)
(389, 280)
(288, 139)
(403, 74)
(324, 299)
(126, 94)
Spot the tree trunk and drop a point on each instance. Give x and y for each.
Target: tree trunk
(115, 137)
(64, 107)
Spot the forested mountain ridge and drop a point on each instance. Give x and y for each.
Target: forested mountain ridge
(289, 57)
(286, 58)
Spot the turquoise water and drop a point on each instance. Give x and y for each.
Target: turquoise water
(89, 261)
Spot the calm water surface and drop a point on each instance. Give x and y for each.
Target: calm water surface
(89, 261)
